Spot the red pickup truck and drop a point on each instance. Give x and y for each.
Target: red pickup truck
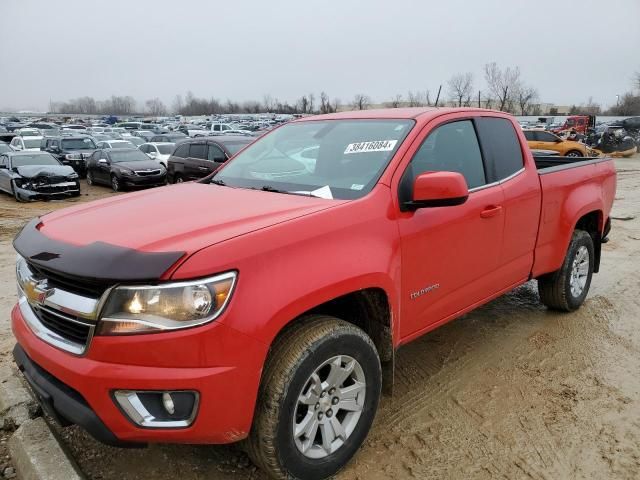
(265, 304)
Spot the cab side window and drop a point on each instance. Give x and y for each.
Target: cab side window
(501, 148)
(452, 147)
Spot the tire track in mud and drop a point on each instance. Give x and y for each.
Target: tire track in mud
(500, 412)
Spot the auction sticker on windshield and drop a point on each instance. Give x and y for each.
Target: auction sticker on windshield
(375, 146)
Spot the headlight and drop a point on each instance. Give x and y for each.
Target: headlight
(72, 176)
(155, 308)
(73, 156)
(126, 171)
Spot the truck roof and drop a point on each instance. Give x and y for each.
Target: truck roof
(398, 113)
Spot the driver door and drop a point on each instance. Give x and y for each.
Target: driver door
(449, 254)
(103, 168)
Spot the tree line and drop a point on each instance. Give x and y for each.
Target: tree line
(504, 89)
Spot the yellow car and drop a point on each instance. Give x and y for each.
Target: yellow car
(541, 140)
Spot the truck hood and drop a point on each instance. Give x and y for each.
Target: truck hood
(31, 171)
(180, 218)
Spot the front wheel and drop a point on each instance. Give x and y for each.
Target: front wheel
(567, 288)
(318, 398)
(574, 154)
(115, 184)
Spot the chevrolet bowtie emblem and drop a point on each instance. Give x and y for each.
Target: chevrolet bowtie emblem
(37, 290)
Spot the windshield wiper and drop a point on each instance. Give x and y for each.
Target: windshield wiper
(218, 182)
(269, 188)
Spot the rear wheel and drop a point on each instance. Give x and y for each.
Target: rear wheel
(318, 397)
(89, 178)
(574, 153)
(567, 288)
(178, 179)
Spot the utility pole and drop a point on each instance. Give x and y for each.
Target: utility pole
(479, 99)
(438, 97)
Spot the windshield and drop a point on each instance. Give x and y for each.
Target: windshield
(78, 144)
(166, 149)
(128, 156)
(31, 142)
(331, 158)
(235, 147)
(39, 159)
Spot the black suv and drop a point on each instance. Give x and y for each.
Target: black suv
(198, 157)
(70, 150)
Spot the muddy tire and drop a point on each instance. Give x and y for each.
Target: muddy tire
(567, 288)
(318, 396)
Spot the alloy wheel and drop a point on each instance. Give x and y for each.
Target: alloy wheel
(329, 407)
(579, 271)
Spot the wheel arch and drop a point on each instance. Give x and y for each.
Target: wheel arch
(593, 223)
(370, 310)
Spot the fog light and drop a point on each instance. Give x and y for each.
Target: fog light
(159, 409)
(167, 401)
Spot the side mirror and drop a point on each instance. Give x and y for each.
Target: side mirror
(438, 189)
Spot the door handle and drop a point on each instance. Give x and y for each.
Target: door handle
(204, 168)
(491, 211)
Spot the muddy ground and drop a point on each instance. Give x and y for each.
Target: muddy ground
(508, 391)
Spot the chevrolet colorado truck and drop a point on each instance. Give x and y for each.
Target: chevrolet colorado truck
(267, 304)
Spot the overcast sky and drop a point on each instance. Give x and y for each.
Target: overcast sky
(245, 49)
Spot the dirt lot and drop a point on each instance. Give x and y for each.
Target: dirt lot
(508, 391)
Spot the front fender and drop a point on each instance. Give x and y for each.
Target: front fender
(289, 268)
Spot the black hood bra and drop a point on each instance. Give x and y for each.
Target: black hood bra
(97, 261)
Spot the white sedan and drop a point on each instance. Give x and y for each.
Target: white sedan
(158, 151)
(23, 144)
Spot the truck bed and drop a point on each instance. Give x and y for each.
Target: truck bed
(571, 186)
(555, 163)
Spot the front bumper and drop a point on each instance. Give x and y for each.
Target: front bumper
(219, 363)
(62, 402)
(79, 165)
(50, 192)
(147, 181)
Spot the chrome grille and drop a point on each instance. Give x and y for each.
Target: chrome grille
(57, 316)
(71, 328)
(147, 173)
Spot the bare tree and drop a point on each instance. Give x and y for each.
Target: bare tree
(460, 87)
(268, 102)
(525, 97)
(637, 80)
(311, 100)
(325, 104)
(361, 101)
(395, 102)
(155, 107)
(503, 84)
(177, 104)
(419, 99)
